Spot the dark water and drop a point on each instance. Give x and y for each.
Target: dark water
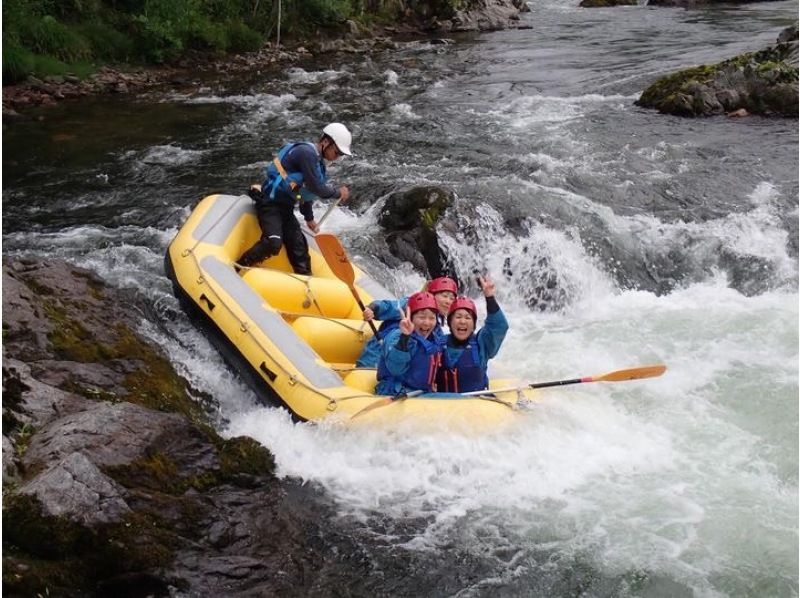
(645, 238)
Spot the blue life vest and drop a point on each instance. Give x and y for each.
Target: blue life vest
(421, 372)
(371, 354)
(466, 374)
(292, 185)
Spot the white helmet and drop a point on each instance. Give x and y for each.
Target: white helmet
(340, 135)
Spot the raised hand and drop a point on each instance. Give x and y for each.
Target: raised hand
(406, 326)
(487, 284)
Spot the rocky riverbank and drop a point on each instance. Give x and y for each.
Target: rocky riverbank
(114, 481)
(193, 71)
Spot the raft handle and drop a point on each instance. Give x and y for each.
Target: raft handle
(269, 373)
(211, 306)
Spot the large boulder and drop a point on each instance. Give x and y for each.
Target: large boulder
(410, 217)
(115, 483)
(763, 82)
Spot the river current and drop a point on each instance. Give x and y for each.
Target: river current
(617, 237)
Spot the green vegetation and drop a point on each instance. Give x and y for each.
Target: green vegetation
(59, 37)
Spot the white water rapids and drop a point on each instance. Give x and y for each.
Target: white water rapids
(665, 240)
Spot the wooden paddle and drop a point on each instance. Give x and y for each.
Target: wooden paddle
(336, 256)
(647, 371)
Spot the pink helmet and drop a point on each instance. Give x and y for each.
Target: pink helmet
(443, 283)
(421, 300)
(463, 303)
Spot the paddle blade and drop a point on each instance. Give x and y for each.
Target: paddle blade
(331, 249)
(647, 371)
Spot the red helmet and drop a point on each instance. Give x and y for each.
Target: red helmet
(443, 283)
(463, 303)
(421, 300)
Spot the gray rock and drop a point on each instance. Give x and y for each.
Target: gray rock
(410, 218)
(40, 403)
(77, 489)
(789, 34)
(10, 471)
(117, 434)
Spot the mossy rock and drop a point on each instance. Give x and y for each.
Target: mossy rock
(53, 556)
(761, 82)
(415, 207)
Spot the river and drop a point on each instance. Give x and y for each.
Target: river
(617, 236)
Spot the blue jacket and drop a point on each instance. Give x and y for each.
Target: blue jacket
(388, 312)
(464, 365)
(305, 169)
(411, 368)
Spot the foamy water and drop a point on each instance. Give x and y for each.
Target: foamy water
(617, 237)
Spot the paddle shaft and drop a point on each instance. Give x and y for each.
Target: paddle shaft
(362, 307)
(647, 371)
(560, 382)
(327, 213)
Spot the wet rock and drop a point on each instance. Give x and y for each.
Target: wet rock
(410, 218)
(115, 434)
(116, 498)
(32, 403)
(486, 15)
(77, 489)
(763, 82)
(605, 3)
(10, 470)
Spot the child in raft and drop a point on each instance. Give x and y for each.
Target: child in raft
(412, 351)
(466, 355)
(389, 312)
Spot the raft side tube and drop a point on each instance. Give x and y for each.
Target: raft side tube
(335, 340)
(304, 295)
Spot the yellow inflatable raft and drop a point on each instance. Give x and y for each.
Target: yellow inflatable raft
(295, 338)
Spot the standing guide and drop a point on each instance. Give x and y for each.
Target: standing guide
(296, 175)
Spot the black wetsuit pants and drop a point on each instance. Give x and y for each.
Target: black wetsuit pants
(279, 226)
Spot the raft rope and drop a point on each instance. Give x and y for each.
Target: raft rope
(293, 378)
(244, 327)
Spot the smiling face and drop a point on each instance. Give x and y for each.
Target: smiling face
(462, 325)
(424, 322)
(444, 300)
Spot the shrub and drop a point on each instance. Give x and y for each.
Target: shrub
(205, 35)
(106, 42)
(243, 39)
(72, 9)
(323, 12)
(156, 40)
(46, 35)
(47, 65)
(17, 62)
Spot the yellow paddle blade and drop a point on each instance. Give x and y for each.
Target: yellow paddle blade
(331, 249)
(646, 371)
